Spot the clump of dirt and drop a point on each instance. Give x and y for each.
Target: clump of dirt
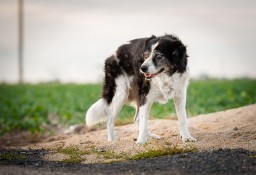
(231, 129)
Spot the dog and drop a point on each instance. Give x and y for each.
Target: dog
(144, 71)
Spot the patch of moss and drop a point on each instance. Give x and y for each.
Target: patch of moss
(253, 156)
(75, 155)
(161, 151)
(11, 156)
(112, 155)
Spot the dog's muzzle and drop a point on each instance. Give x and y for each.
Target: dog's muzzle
(144, 69)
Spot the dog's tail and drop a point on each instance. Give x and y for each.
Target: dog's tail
(97, 113)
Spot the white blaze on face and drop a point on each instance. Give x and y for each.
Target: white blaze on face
(153, 47)
(149, 61)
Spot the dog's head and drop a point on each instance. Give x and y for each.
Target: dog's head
(163, 54)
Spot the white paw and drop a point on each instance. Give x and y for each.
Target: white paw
(111, 139)
(187, 138)
(154, 136)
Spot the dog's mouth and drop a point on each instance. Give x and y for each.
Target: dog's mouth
(149, 76)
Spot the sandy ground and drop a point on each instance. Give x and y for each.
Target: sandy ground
(234, 128)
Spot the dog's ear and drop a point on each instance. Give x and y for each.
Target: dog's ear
(180, 53)
(149, 39)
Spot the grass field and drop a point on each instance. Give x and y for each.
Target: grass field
(28, 106)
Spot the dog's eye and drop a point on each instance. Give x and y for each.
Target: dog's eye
(159, 55)
(145, 55)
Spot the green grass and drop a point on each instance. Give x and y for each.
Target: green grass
(27, 106)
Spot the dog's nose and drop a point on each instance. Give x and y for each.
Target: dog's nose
(144, 68)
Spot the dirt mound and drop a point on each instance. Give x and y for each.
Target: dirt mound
(232, 129)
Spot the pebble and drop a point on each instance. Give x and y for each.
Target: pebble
(235, 129)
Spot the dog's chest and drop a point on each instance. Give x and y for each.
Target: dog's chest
(162, 88)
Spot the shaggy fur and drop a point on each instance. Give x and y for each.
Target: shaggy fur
(144, 71)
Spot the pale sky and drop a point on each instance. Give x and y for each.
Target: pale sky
(68, 40)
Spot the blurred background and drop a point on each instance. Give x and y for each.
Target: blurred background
(68, 40)
(58, 47)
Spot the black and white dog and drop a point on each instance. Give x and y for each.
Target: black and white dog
(144, 71)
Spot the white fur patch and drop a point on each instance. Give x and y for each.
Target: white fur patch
(164, 87)
(143, 123)
(97, 113)
(149, 61)
(122, 89)
(153, 47)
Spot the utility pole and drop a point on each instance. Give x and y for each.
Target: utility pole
(20, 40)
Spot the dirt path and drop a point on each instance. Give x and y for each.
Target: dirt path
(232, 130)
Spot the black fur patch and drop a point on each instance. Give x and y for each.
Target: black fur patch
(144, 87)
(112, 71)
(129, 59)
(124, 56)
(174, 50)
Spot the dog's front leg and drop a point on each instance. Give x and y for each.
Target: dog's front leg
(143, 123)
(180, 105)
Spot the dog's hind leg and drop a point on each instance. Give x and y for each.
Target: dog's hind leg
(120, 96)
(136, 118)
